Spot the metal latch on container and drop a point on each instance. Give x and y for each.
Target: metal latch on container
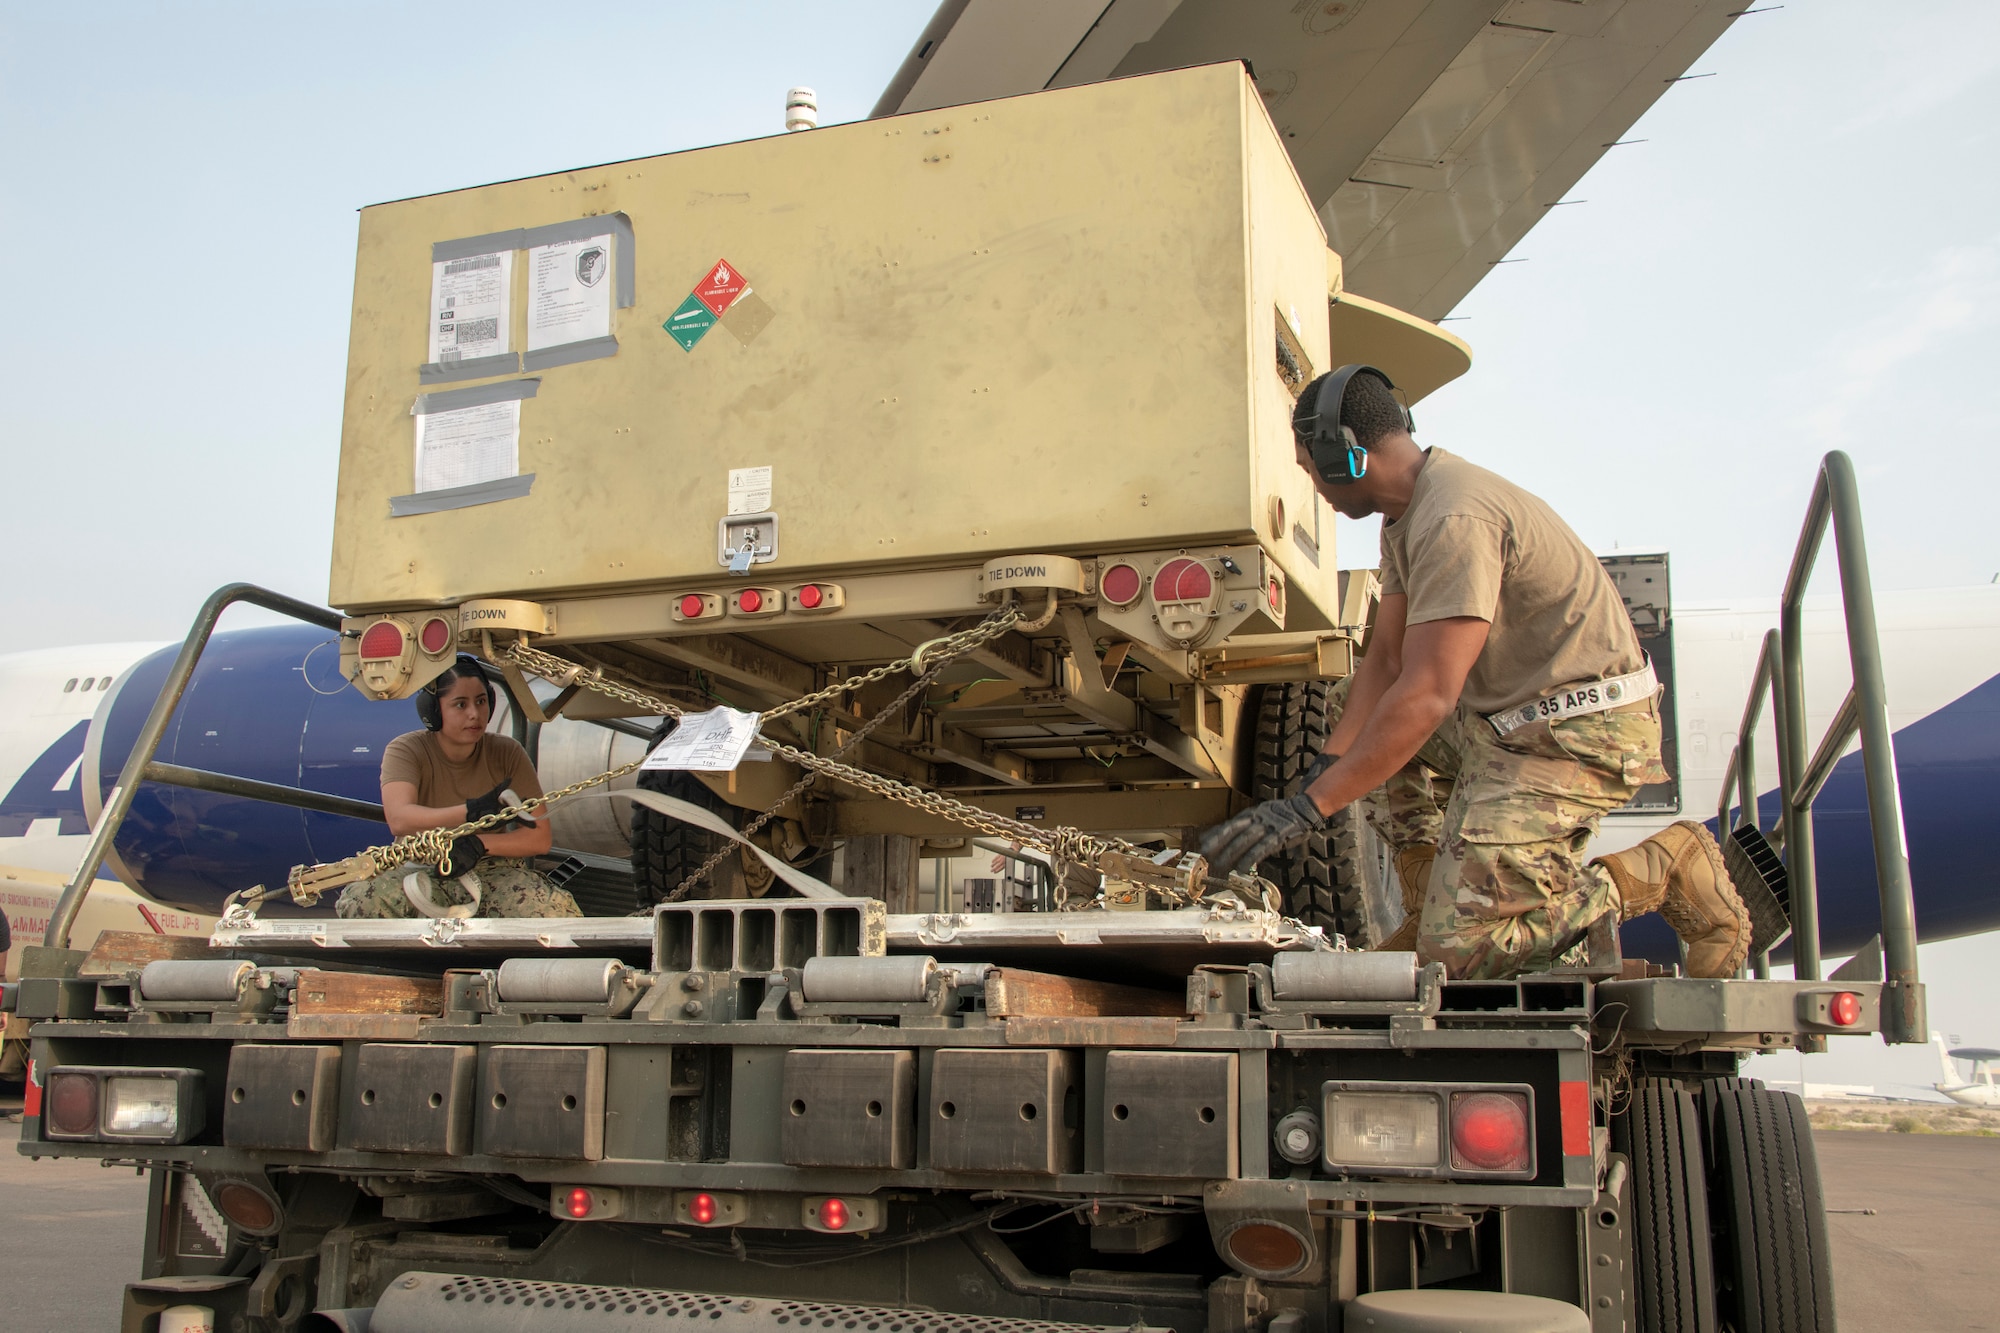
(743, 540)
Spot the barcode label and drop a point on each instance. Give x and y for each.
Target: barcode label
(477, 330)
(468, 265)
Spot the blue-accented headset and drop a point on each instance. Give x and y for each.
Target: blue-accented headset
(1337, 456)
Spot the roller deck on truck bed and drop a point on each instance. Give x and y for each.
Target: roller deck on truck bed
(1008, 417)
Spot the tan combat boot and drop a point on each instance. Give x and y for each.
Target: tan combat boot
(1413, 872)
(1678, 872)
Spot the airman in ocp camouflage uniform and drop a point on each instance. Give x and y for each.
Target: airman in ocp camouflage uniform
(1501, 709)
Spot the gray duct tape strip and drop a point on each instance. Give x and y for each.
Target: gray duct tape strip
(581, 229)
(473, 368)
(567, 354)
(467, 246)
(689, 813)
(477, 396)
(461, 497)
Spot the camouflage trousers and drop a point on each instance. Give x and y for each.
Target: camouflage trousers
(1511, 817)
(508, 887)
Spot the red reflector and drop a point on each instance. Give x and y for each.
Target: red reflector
(578, 1203)
(810, 596)
(1121, 585)
(72, 1104)
(1267, 1249)
(701, 1209)
(31, 1096)
(246, 1206)
(833, 1214)
(383, 639)
(435, 636)
(750, 600)
(1182, 580)
(1489, 1131)
(691, 606)
(1277, 594)
(1845, 1011)
(1576, 1119)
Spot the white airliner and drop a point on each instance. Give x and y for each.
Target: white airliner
(1981, 1090)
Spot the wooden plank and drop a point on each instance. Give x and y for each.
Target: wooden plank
(1091, 1031)
(118, 952)
(352, 1027)
(1013, 993)
(325, 993)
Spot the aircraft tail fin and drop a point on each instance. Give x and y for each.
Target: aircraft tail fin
(1944, 1061)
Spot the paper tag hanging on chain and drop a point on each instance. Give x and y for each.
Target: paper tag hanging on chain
(711, 742)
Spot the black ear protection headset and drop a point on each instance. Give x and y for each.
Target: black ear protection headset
(431, 710)
(1337, 456)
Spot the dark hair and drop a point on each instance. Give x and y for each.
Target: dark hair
(429, 699)
(462, 669)
(1370, 410)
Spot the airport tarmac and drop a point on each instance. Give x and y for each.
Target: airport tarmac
(72, 1233)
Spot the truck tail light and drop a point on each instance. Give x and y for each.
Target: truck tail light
(711, 1208)
(1182, 580)
(1845, 1009)
(1121, 585)
(818, 597)
(1490, 1131)
(1365, 1129)
(586, 1203)
(382, 641)
(757, 602)
(698, 606)
(835, 1213)
(435, 636)
(124, 1104)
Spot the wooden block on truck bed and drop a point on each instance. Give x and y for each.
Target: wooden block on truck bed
(119, 952)
(1013, 993)
(356, 1005)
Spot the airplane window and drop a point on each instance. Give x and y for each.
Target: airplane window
(69, 688)
(87, 680)
(104, 683)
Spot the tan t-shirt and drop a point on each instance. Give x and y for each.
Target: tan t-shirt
(1473, 543)
(418, 758)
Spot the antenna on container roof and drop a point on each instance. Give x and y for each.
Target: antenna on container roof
(801, 109)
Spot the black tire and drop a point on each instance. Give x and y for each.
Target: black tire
(1672, 1267)
(1338, 880)
(666, 851)
(1774, 1270)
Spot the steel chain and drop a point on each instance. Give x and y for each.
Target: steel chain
(1065, 846)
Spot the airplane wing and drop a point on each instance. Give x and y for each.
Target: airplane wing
(1431, 134)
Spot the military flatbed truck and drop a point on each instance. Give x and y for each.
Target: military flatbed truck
(986, 507)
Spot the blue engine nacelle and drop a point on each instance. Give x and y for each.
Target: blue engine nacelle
(266, 703)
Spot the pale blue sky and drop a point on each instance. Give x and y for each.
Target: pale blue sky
(1805, 254)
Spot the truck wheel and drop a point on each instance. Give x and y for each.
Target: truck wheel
(1673, 1272)
(1773, 1268)
(666, 851)
(1339, 879)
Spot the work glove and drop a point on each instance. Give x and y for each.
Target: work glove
(492, 803)
(1321, 762)
(1261, 831)
(466, 852)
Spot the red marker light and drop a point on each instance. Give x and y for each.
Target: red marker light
(1121, 585)
(750, 600)
(833, 1215)
(579, 1203)
(810, 596)
(435, 636)
(691, 606)
(1489, 1131)
(384, 639)
(701, 1209)
(1845, 1011)
(1182, 580)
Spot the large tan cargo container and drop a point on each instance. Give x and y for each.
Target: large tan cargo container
(1039, 324)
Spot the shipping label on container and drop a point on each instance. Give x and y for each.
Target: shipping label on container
(467, 445)
(469, 300)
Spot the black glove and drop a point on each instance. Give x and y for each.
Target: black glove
(466, 852)
(481, 806)
(1321, 762)
(1261, 831)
